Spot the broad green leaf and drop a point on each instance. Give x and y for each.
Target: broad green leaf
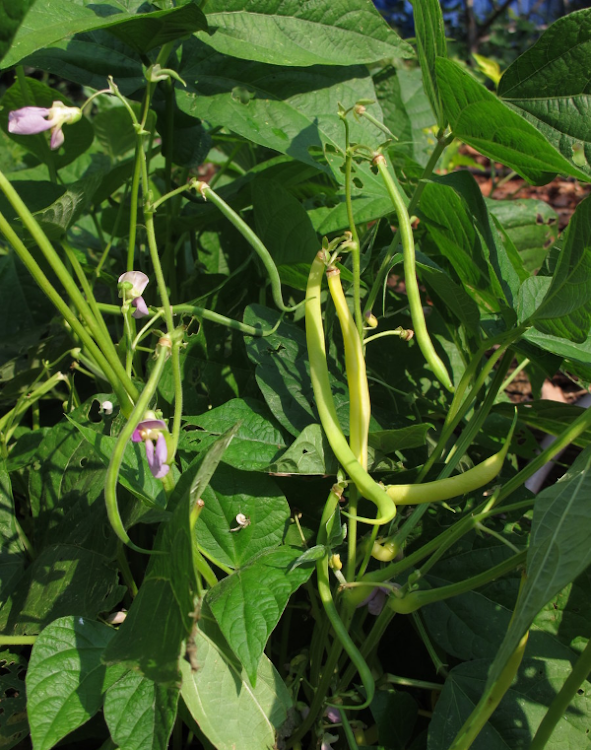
(77, 137)
(472, 625)
(503, 262)
(50, 21)
(25, 311)
(283, 374)
(453, 296)
(395, 714)
(88, 59)
(531, 224)
(57, 218)
(283, 224)
(406, 111)
(12, 558)
(66, 678)
(251, 717)
(558, 551)
(13, 700)
(568, 614)
(248, 604)
(257, 442)
(62, 580)
(565, 310)
(515, 721)
(452, 228)
(480, 119)
(551, 417)
(309, 454)
(163, 614)
(549, 86)
(256, 496)
(288, 32)
(290, 111)
(11, 16)
(431, 44)
(578, 353)
(140, 713)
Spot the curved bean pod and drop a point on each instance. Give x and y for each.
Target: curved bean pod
(325, 403)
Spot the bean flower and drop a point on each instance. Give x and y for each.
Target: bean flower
(376, 600)
(150, 431)
(131, 288)
(32, 120)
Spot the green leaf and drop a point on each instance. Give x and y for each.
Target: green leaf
(309, 454)
(558, 551)
(13, 700)
(515, 721)
(549, 86)
(250, 716)
(453, 296)
(395, 714)
(78, 137)
(531, 224)
(24, 309)
(288, 32)
(452, 228)
(248, 604)
(258, 439)
(472, 625)
(62, 580)
(579, 353)
(566, 309)
(431, 44)
(11, 17)
(256, 496)
(50, 21)
(66, 678)
(481, 120)
(551, 417)
(12, 558)
(406, 111)
(56, 219)
(310, 555)
(140, 713)
(283, 224)
(88, 59)
(288, 110)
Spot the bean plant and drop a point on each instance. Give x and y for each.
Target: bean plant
(261, 484)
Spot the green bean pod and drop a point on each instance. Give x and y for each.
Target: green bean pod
(359, 403)
(325, 403)
(445, 489)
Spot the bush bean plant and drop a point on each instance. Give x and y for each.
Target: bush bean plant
(261, 485)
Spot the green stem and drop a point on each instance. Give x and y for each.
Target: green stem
(252, 239)
(417, 599)
(352, 742)
(103, 342)
(410, 276)
(440, 667)
(134, 202)
(42, 281)
(214, 317)
(178, 395)
(84, 283)
(18, 640)
(135, 418)
(562, 699)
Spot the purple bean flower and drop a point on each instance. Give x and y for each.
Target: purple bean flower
(131, 288)
(148, 431)
(32, 120)
(376, 600)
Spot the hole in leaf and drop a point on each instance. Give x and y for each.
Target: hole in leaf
(357, 182)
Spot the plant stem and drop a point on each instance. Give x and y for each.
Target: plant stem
(42, 281)
(135, 418)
